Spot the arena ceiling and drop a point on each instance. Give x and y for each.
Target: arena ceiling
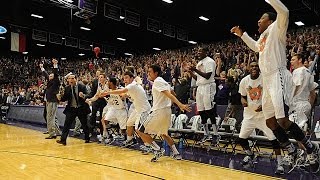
(181, 14)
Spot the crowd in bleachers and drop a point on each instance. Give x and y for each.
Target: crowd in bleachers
(21, 81)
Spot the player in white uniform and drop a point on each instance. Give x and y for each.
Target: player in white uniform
(251, 89)
(158, 121)
(140, 101)
(204, 74)
(115, 111)
(304, 91)
(278, 84)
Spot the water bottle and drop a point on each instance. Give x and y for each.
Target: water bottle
(317, 130)
(181, 146)
(166, 148)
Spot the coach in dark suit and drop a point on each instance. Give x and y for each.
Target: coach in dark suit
(75, 94)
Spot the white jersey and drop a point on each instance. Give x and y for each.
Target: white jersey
(304, 82)
(115, 102)
(160, 100)
(138, 97)
(272, 42)
(206, 65)
(102, 88)
(253, 90)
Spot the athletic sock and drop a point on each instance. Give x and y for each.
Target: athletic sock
(155, 146)
(174, 149)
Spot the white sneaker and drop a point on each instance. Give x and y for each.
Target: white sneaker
(176, 156)
(100, 138)
(280, 169)
(107, 141)
(119, 137)
(246, 160)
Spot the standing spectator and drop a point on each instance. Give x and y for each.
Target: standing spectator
(51, 99)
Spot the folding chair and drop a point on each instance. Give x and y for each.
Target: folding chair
(4, 112)
(227, 131)
(181, 126)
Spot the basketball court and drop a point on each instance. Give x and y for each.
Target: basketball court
(25, 155)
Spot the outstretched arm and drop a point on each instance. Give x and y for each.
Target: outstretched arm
(282, 14)
(118, 91)
(44, 72)
(183, 107)
(251, 43)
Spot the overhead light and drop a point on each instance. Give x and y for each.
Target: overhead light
(63, 38)
(299, 23)
(2, 37)
(41, 45)
(63, 58)
(25, 52)
(121, 39)
(168, 1)
(122, 17)
(37, 16)
(204, 18)
(84, 28)
(157, 49)
(192, 42)
(267, 1)
(69, 1)
(127, 54)
(81, 54)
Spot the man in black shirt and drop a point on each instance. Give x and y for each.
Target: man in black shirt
(51, 99)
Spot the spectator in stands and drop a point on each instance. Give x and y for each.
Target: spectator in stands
(222, 95)
(234, 109)
(182, 90)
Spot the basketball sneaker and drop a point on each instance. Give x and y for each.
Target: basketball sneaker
(107, 141)
(127, 143)
(280, 168)
(176, 156)
(313, 159)
(248, 159)
(157, 154)
(145, 150)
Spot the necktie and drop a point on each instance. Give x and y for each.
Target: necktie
(74, 94)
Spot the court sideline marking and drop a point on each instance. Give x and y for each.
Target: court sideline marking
(78, 160)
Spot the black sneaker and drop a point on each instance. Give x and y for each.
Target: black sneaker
(127, 143)
(157, 154)
(313, 159)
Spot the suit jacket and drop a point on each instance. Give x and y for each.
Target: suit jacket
(94, 88)
(52, 86)
(83, 108)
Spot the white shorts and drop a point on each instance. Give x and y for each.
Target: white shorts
(256, 122)
(119, 116)
(301, 113)
(131, 109)
(277, 94)
(156, 122)
(134, 118)
(105, 110)
(205, 96)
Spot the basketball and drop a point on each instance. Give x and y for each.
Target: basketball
(96, 50)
